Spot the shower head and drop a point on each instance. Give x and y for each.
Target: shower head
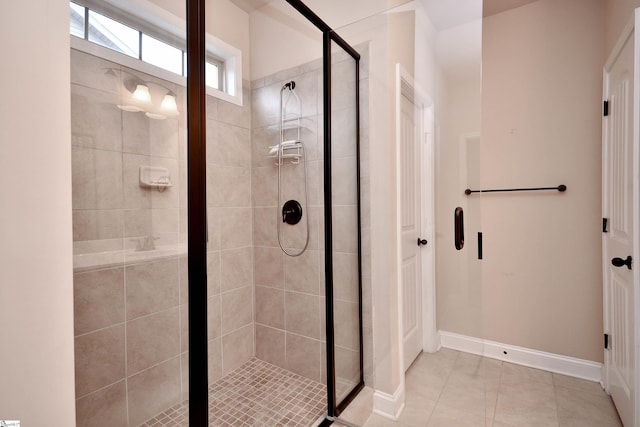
(289, 85)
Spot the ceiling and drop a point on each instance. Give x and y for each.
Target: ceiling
(250, 5)
(493, 7)
(443, 13)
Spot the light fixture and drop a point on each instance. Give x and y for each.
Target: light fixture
(138, 96)
(142, 95)
(169, 106)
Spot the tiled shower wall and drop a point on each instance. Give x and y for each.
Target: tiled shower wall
(131, 314)
(289, 291)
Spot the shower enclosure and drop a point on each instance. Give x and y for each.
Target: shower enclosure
(181, 264)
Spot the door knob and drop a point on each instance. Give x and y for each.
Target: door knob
(422, 242)
(619, 262)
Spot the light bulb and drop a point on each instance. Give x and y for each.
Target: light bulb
(169, 106)
(142, 95)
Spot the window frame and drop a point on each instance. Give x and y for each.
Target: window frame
(166, 29)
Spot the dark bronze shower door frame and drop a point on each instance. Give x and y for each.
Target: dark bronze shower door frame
(197, 212)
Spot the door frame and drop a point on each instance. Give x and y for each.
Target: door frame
(628, 31)
(427, 220)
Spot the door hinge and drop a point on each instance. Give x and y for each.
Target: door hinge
(605, 109)
(605, 225)
(606, 341)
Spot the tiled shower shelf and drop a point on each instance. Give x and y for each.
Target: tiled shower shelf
(96, 260)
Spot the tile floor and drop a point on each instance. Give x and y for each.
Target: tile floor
(453, 389)
(256, 394)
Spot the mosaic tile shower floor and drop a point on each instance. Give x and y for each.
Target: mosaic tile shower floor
(257, 394)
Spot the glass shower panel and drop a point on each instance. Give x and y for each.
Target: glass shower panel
(129, 220)
(347, 316)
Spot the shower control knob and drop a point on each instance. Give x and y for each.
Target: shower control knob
(422, 242)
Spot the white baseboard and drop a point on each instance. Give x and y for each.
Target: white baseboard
(387, 405)
(564, 365)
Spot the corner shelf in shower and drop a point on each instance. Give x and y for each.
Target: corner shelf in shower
(292, 123)
(291, 149)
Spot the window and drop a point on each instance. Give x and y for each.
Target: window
(161, 54)
(223, 61)
(77, 20)
(114, 35)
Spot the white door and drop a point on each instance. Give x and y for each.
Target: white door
(620, 208)
(410, 220)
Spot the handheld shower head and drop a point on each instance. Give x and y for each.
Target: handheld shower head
(289, 85)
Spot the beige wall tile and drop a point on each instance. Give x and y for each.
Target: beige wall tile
(154, 390)
(270, 345)
(264, 227)
(100, 359)
(151, 287)
(137, 223)
(301, 273)
(303, 356)
(235, 227)
(96, 179)
(213, 273)
(135, 197)
(98, 299)
(234, 144)
(135, 133)
(215, 359)
(90, 71)
(97, 224)
(345, 276)
(345, 223)
(184, 328)
(237, 309)
(268, 267)
(347, 367)
(236, 115)
(214, 316)
(236, 268)
(344, 180)
(183, 265)
(213, 229)
(347, 321)
(261, 139)
(264, 181)
(96, 122)
(270, 307)
(104, 408)
(237, 348)
(302, 315)
(265, 105)
(164, 137)
(168, 198)
(152, 339)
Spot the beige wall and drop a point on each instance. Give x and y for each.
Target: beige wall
(36, 313)
(617, 14)
(541, 126)
(224, 20)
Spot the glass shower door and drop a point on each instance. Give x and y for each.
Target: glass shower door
(342, 204)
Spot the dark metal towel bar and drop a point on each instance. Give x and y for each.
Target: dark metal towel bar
(560, 188)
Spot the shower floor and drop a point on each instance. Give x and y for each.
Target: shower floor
(256, 394)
